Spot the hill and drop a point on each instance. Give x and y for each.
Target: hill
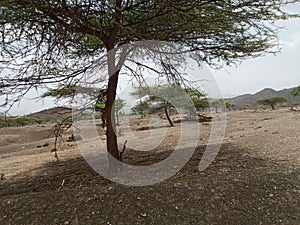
(52, 113)
(250, 99)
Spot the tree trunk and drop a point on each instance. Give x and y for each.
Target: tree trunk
(168, 117)
(103, 118)
(111, 137)
(273, 107)
(118, 120)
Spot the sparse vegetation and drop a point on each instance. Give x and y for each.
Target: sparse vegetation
(142, 108)
(257, 152)
(119, 105)
(73, 138)
(217, 104)
(18, 121)
(169, 98)
(254, 178)
(229, 105)
(296, 91)
(68, 39)
(272, 101)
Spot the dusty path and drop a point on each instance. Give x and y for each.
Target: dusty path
(255, 179)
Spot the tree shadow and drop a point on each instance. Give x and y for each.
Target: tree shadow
(237, 188)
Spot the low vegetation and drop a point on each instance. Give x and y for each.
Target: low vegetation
(296, 91)
(272, 101)
(12, 121)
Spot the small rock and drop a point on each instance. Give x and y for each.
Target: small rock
(271, 195)
(143, 214)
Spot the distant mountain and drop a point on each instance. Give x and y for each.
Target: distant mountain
(250, 99)
(52, 113)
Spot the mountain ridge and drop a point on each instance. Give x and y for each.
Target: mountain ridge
(241, 101)
(250, 99)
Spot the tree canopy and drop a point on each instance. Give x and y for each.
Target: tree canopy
(229, 105)
(141, 108)
(51, 43)
(296, 91)
(57, 41)
(167, 97)
(272, 101)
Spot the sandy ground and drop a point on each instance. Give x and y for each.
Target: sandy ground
(255, 178)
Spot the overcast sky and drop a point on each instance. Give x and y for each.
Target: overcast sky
(277, 72)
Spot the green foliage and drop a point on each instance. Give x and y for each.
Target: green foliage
(59, 42)
(63, 38)
(142, 108)
(199, 99)
(18, 121)
(229, 105)
(217, 104)
(119, 104)
(272, 101)
(155, 99)
(296, 91)
(163, 96)
(61, 92)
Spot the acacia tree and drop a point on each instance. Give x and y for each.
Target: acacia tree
(296, 91)
(119, 104)
(158, 98)
(199, 100)
(163, 97)
(272, 101)
(217, 104)
(229, 105)
(57, 42)
(141, 108)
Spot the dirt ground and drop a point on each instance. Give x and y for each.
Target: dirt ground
(255, 178)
